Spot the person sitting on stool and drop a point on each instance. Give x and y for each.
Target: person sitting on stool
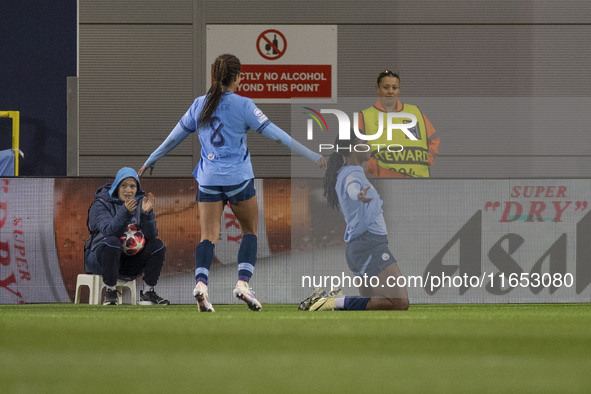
(115, 208)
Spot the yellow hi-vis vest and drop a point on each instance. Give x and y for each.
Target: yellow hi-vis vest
(413, 159)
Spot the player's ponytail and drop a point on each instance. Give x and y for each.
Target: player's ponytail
(224, 70)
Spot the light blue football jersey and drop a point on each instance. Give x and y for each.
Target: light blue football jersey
(225, 159)
(360, 217)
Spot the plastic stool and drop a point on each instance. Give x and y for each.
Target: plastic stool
(96, 285)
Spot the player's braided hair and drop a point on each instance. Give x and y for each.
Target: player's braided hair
(335, 161)
(224, 70)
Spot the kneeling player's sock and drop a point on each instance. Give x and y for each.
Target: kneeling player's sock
(247, 257)
(355, 303)
(203, 259)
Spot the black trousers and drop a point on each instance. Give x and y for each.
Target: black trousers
(113, 263)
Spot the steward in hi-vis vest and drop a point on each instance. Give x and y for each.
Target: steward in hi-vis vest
(416, 157)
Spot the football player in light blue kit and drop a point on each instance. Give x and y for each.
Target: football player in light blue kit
(224, 173)
(366, 236)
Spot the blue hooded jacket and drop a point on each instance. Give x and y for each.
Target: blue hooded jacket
(108, 216)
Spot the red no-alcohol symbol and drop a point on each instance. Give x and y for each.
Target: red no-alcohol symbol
(271, 44)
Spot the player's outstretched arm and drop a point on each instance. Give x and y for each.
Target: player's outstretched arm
(273, 132)
(356, 193)
(143, 169)
(176, 136)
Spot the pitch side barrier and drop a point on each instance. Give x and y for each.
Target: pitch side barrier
(456, 241)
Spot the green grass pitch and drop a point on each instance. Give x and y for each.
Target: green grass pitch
(66, 348)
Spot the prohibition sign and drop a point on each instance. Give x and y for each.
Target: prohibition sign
(274, 42)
